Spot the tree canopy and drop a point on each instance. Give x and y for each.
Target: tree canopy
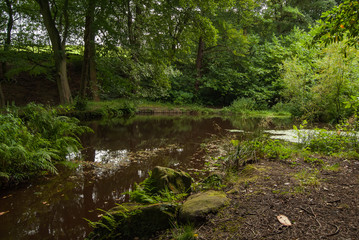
(203, 52)
(340, 22)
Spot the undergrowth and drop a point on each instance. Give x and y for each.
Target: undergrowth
(185, 232)
(145, 193)
(251, 151)
(32, 144)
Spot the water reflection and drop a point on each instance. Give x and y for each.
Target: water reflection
(119, 154)
(108, 156)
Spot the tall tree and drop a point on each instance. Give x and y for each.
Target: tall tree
(88, 76)
(58, 45)
(7, 42)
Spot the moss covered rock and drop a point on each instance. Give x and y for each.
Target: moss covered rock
(163, 178)
(131, 220)
(196, 207)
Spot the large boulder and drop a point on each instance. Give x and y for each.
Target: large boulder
(131, 220)
(197, 206)
(163, 178)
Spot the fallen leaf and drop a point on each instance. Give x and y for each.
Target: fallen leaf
(284, 220)
(2, 213)
(7, 196)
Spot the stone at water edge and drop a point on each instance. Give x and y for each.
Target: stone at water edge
(196, 207)
(173, 180)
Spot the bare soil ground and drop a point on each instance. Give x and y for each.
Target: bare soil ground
(320, 203)
(25, 88)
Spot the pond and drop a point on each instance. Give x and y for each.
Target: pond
(118, 154)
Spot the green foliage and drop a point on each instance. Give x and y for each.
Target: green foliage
(282, 107)
(80, 103)
(212, 182)
(308, 178)
(109, 223)
(250, 151)
(243, 105)
(343, 139)
(34, 143)
(145, 193)
(113, 108)
(318, 80)
(313, 161)
(275, 150)
(339, 23)
(335, 167)
(186, 232)
(181, 97)
(61, 131)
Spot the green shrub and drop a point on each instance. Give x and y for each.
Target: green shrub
(186, 232)
(181, 97)
(145, 193)
(343, 139)
(33, 144)
(283, 107)
(80, 104)
(253, 150)
(274, 149)
(242, 105)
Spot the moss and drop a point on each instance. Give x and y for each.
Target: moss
(197, 206)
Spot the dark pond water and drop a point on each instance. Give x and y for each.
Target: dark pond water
(118, 153)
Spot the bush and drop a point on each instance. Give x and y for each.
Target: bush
(282, 107)
(253, 150)
(33, 144)
(180, 97)
(81, 103)
(343, 139)
(242, 105)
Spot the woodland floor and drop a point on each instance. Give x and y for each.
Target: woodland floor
(323, 204)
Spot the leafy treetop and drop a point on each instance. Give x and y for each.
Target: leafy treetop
(340, 22)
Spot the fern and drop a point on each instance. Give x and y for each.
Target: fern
(34, 143)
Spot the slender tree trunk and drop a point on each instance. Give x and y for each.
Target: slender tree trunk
(59, 48)
(199, 62)
(2, 97)
(137, 27)
(88, 76)
(129, 23)
(3, 65)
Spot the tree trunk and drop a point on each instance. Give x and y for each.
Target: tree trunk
(129, 23)
(59, 52)
(88, 76)
(2, 97)
(199, 62)
(3, 64)
(62, 82)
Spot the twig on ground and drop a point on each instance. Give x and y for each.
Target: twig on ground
(313, 214)
(334, 201)
(254, 234)
(337, 230)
